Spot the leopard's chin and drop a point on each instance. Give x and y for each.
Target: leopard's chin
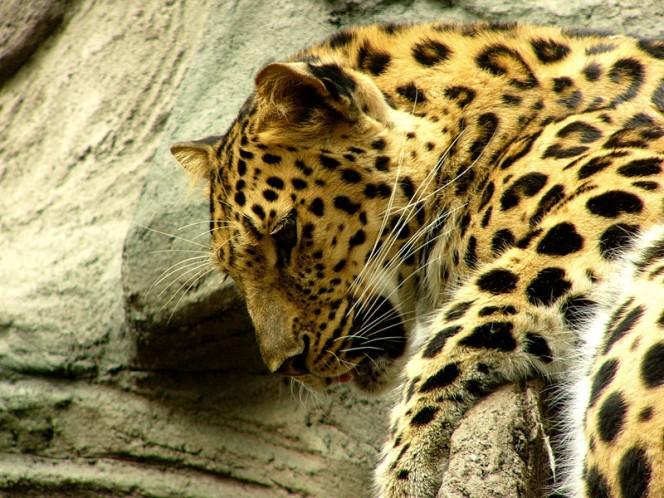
(377, 375)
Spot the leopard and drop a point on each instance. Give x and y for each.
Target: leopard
(443, 209)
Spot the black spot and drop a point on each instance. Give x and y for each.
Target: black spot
(525, 241)
(557, 151)
(436, 344)
(526, 146)
(593, 166)
(271, 159)
(572, 100)
(510, 99)
(491, 335)
(613, 203)
(412, 93)
(641, 167)
(402, 475)
(536, 345)
(429, 52)
(241, 167)
(372, 60)
(602, 379)
(245, 154)
(424, 416)
(654, 48)
(444, 377)
(548, 286)
(527, 185)
(493, 59)
(492, 310)
(358, 238)
(651, 255)
(575, 310)
(652, 366)
(317, 206)
(240, 199)
(596, 484)
(270, 195)
(646, 185)
(341, 38)
(407, 187)
(502, 240)
(549, 51)
(498, 281)
(258, 211)
(625, 138)
(339, 266)
(487, 124)
(371, 190)
(350, 176)
(562, 83)
(623, 327)
(615, 239)
(634, 473)
(345, 204)
(393, 27)
(329, 162)
(592, 71)
(458, 310)
(470, 257)
(298, 184)
(646, 414)
(587, 132)
(486, 218)
(464, 176)
(462, 94)
(275, 182)
(627, 70)
(552, 197)
(611, 417)
(378, 144)
(306, 170)
(382, 163)
(560, 240)
(335, 79)
(487, 194)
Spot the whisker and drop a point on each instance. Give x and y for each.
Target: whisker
(194, 280)
(179, 266)
(171, 235)
(193, 269)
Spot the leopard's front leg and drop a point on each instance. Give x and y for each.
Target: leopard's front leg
(501, 327)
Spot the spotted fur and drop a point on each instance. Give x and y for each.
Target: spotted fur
(476, 186)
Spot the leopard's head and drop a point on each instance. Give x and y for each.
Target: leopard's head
(315, 209)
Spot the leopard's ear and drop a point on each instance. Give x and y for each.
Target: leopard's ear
(304, 96)
(197, 156)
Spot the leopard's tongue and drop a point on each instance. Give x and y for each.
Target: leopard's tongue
(343, 378)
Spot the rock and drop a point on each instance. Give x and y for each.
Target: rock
(500, 448)
(111, 387)
(23, 28)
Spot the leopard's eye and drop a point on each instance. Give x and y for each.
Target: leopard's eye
(285, 238)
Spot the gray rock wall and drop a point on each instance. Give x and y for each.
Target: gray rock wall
(112, 382)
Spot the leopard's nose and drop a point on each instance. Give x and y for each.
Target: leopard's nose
(297, 364)
(294, 366)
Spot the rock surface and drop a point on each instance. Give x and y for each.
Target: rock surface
(115, 384)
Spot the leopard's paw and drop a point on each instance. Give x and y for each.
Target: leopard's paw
(411, 469)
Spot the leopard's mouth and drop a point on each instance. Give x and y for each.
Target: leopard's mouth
(375, 343)
(377, 340)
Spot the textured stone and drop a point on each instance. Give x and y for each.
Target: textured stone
(115, 384)
(23, 27)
